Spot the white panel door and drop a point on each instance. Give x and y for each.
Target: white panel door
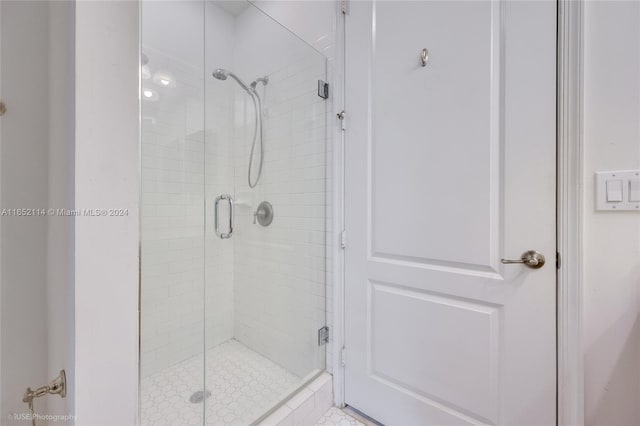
(450, 168)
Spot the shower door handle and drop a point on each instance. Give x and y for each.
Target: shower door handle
(221, 235)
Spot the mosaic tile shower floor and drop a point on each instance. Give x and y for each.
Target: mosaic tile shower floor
(243, 385)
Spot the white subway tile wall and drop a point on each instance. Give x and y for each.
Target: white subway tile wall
(280, 269)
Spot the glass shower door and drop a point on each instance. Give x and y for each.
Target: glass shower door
(265, 147)
(172, 388)
(233, 213)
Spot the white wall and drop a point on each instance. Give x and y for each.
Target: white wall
(314, 21)
(25, 170)
(611, 240)
(37, 164)
(106, 176)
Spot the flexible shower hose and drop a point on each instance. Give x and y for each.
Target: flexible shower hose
(257, 105)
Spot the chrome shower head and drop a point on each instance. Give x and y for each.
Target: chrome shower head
(221, 74)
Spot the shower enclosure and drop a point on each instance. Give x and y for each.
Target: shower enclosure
(233, 212)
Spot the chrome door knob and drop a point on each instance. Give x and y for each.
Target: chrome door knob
(531, 258)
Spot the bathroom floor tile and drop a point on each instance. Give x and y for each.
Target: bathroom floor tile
(336, 417)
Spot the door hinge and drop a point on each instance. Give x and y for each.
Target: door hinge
(557, 260)
(342, 116)
(323, 335)
(323, 89)
(343, 239)
(344, 7)
(343, 356)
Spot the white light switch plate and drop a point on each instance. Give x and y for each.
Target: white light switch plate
(626, 176)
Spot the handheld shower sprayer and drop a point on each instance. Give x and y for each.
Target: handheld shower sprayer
(222, 74)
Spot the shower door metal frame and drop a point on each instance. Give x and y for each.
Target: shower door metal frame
(570, 374)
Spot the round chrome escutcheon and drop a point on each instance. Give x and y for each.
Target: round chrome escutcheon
(264, 213)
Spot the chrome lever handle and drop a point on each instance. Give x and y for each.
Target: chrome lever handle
(222, 235)
(531, 258)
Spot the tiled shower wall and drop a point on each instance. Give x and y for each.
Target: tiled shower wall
(280, 269)
(315, 21)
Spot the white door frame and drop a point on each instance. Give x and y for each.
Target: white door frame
(570, 389)
(570, 213)
(0, 194)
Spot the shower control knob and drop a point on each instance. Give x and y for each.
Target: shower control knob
(263, 214)
(3, 109)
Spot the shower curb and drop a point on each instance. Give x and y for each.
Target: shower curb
(307, 406)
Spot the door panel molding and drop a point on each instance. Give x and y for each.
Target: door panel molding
(486, 271)
(483, 316)
(386, 223)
